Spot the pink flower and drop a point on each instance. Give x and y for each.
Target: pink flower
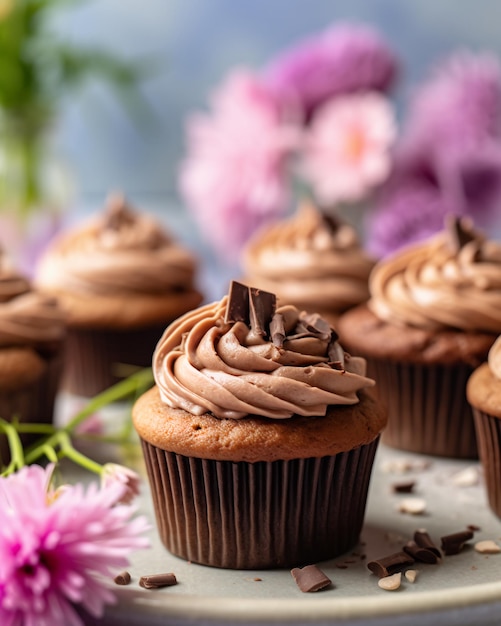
(234, 176)
(54, 551)
(115, 473)
(345, 58)
(347, 150)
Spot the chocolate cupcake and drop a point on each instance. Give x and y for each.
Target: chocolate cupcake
(259, 436)
(484, 394)
(311, 260)
(433, 314)
(121, 278)
(32, 332)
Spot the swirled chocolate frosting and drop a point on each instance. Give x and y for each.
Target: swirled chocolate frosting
(311, 260)
(118, 252)
(450, 281)
(241, 356)
(494, 358)
(27, 318)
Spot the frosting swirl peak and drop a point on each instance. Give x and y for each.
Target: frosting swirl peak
(452, 280)
(211, 360)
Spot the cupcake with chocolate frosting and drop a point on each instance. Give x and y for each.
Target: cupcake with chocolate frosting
(259, 435)
(433, 314)
(311, 260)
(484, 394)
(32, 333)
(120, 278)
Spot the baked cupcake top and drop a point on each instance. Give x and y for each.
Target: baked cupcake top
(119, 251)
(452, 280)
(27, 318)
(312, 260)
(242, 356)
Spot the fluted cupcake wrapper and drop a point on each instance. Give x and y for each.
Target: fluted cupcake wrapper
(95, 357)
(259, 515)
(427, 407)
(32, 403)
(488, 429)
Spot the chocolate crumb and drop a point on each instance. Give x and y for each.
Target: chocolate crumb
(391, 564)
(258, 580)
(423, 540)
(341, 566)
(473, 527)
(460, 232)
(123, 578)
(310, 578)
(155, 581)
(453, 543)
(404, 487)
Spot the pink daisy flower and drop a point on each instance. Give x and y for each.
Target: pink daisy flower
(55, 548)
(347, 151)
(234, 176)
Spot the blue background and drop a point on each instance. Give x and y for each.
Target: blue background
(193, 43)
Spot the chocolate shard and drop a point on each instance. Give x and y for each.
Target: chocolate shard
(277, 330)
(316, 325)
(460, 232)
(390, 564)
(454, 543)
(335, 354)
(332, 222)
(423, 539)
(123, 578)
(237, 309)
(262, 305)
(156, 581)
(117, 212)
(310, 578)
(420, 554)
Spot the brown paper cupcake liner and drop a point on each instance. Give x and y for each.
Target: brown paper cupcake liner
(488, 429)
(32, 403)
(97, 359)
(259, 515)
(428, 411)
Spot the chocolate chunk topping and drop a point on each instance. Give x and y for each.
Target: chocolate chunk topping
(335, 354)
(277, 330)
(388, 565)
(460, 232)
(238, 303)
(420, 554)
(453, 543)
(310, 578)
(332, 222)
(155, 581)
(423, 540)
(122, 579)
(117, 212)
(262, 306)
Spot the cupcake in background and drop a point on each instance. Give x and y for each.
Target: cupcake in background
(311, 260)
(259, 436)
(32, 334)
(434, 313)
(484, 394)
(120, 278)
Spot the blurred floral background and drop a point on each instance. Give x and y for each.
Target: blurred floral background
(111, 93)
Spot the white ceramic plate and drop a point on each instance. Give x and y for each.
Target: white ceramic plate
(461, 589)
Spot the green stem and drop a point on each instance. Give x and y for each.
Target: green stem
(77, 457)
(17, 459)
(30, 160)
(34, 429)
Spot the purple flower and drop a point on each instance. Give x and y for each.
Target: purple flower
(343, 59)
(55, 547)
(235, 173)
(406, 215)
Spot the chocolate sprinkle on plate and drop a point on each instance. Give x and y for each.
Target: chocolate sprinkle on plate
(310, 578)
(391, 564)
(423, 540)
(123, 578)
(453, 543)
(404, 487)
(156, 581)
(420, 554)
